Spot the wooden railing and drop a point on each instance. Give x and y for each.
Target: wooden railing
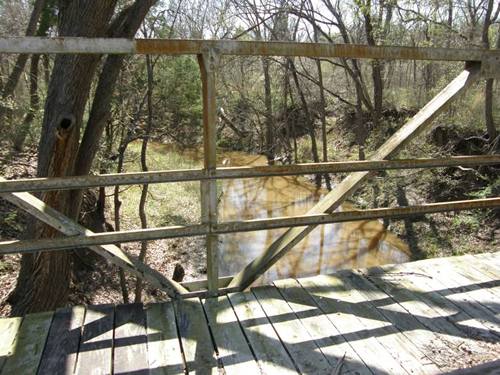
(479, 64)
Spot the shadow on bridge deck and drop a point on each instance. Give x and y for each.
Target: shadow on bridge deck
(431, 316)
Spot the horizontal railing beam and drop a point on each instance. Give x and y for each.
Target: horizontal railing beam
(238, 48)
(139, 178)
(28, 246)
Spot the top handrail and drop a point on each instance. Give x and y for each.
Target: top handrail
(78, 45)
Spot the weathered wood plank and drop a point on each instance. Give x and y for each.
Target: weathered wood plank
(304, 351)
(8, 331)
(432, 315)
(130, 340)
(427, 288)
(331, 342)
(232, 347)
(96, 343)
(419, 123)
(487, 264)
(479, 273)
(61, 45)
(473, 269)
(427, 342)
(61, 349)
(372, 336)
(197, 344)
(29, 344)
(484, 285)
(481, 267)
(266, 345)
(463, 293)
(164, 351)
(493, 257)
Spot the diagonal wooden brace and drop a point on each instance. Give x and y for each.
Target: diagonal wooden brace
(112, 253)
(415, 126)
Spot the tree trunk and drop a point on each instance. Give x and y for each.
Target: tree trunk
(144, 166)
(269, 112)
(124, 26)
(377, 67)
(323, 120)
(59, 153)
(47, 285)
(309, 119)
(378, 87)
(286, 114)
(488, 111)
(117, 203)
(488, 89)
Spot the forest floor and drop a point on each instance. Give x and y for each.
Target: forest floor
(97, 282)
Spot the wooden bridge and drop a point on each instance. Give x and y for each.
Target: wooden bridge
(425, 317)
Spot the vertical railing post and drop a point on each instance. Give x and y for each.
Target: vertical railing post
(207, 62)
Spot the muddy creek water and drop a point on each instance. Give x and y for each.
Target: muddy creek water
(326, 249)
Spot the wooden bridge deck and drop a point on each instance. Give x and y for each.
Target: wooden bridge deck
(430, 316)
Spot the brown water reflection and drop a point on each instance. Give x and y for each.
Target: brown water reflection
(326, 249)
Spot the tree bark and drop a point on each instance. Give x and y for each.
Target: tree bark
(124, 26)
(488, 89)
(47, 285)
(377, 65)
(44, 282)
